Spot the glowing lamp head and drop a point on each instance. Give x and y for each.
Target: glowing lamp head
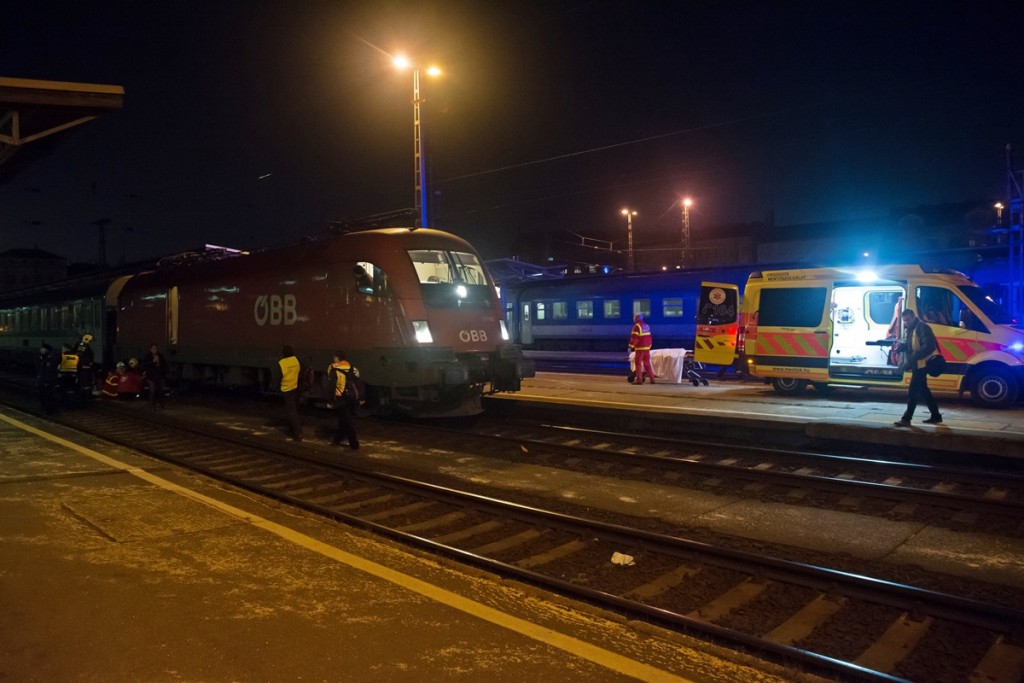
(866, 276)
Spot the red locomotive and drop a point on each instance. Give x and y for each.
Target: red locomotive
(415, 310)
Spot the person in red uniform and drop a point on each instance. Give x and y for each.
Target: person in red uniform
(640, 345)
(112, 383)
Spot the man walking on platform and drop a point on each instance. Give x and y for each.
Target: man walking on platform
(918, 346)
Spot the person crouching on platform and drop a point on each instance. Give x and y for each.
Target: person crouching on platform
(640, 344)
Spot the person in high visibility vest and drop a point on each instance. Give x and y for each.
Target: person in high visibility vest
(68, 360)
(640, 344)
(290, 367)
(344, 398)
(67, 372)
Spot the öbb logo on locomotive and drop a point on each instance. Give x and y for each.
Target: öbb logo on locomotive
(473, 335)
(274, 309)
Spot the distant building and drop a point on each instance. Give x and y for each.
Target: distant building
(20, 268)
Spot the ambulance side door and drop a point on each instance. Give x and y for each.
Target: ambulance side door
(794, 330)
(717, 323)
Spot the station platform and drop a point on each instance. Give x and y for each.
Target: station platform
(116, 567)
(848, 415)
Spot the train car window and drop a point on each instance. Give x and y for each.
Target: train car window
(584, 310)
(642, 306)
(526, 312)
(559, 310)
(542, 310)
(792, 306)
(672, 308)
(612, 308)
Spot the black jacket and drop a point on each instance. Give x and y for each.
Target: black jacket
(926, 347)
(46, 370)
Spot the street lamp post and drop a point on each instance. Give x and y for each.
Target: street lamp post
(629, 237)
(687, 203)
(419, 167)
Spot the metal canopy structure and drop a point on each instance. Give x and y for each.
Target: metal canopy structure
(32, 110)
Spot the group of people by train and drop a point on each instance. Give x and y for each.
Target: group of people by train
(70, 378)
(345, 393)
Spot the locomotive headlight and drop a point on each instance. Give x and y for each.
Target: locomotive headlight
(504, 330)
(422, 330)
(460, 291)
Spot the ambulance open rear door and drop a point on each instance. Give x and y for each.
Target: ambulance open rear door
(717, 323)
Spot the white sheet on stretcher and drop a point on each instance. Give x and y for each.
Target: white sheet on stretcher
(667, 364)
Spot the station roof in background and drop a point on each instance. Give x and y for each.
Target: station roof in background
(33, 111)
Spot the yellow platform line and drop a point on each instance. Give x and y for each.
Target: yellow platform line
(561, 641)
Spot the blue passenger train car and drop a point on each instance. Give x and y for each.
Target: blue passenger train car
(594, 313)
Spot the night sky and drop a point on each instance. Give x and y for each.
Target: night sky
(550, 118)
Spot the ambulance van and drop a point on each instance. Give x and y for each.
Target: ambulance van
(837, 326)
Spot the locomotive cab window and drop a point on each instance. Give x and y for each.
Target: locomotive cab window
(369, 279)
(451, 278)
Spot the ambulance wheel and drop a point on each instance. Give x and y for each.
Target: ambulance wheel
(788, 386)
(993, 387)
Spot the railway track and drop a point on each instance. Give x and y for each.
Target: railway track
(852, 626)
(958, 497)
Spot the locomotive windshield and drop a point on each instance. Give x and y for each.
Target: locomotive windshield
(451, 278)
